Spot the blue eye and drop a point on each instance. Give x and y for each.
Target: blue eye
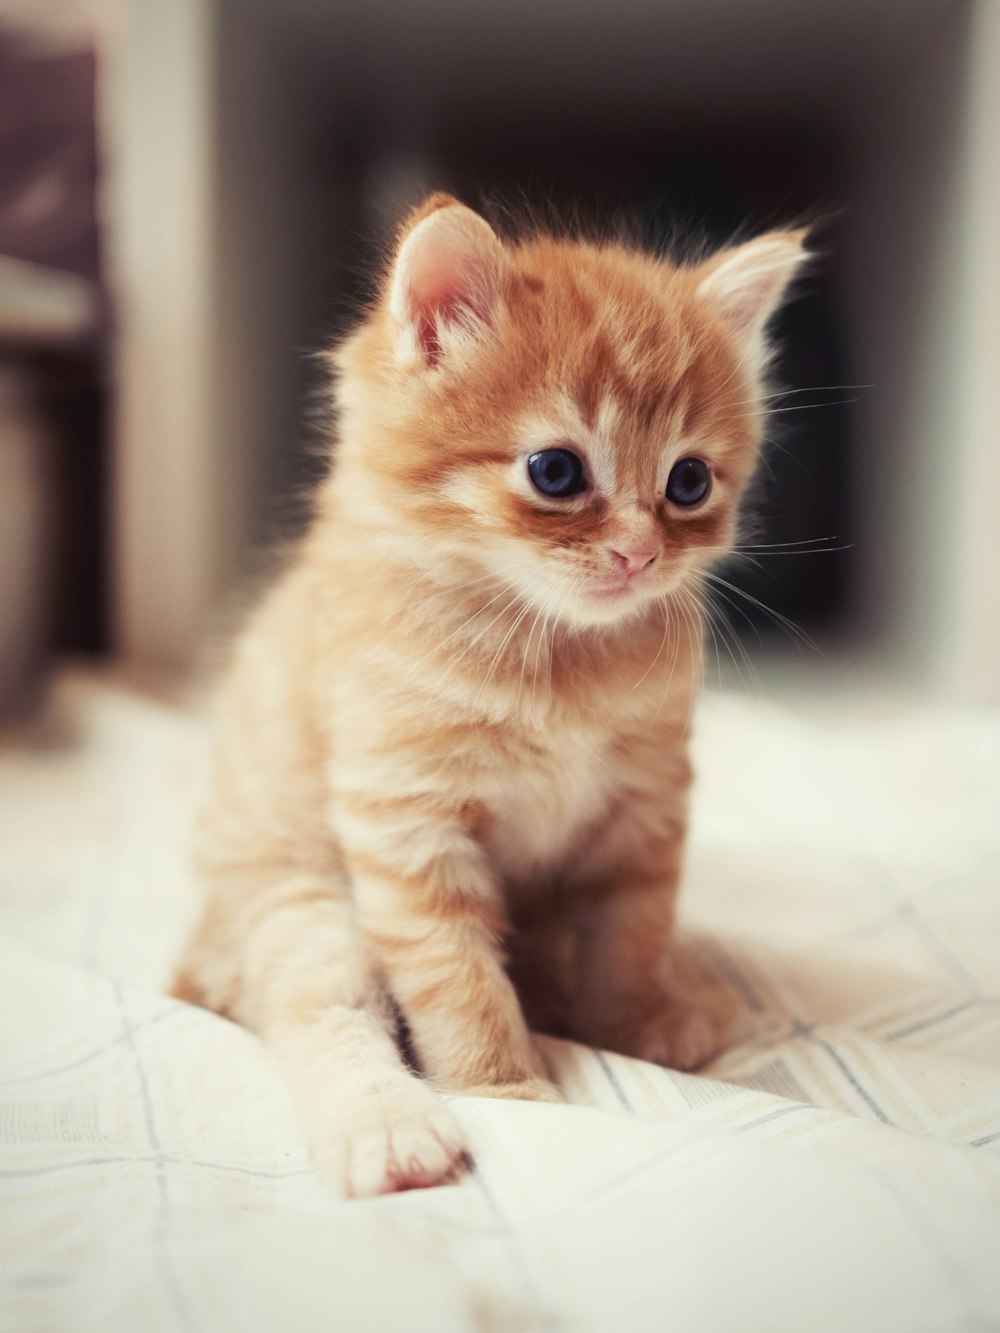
(689, 482)
(556, 472)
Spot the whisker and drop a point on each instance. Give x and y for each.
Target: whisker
(550, 607)
(557, 603)
(812, 388)
(465, 623)
(692, 614)
(732, 643)
(525, 610)
(819, 550)
(675, 600)
(527, 649)
(481, 633)
(806, 407)
(656, 658)
(776, 616)
(715, 644)
(462, 586)
(703, 614)
(736, 607)
(804, 546)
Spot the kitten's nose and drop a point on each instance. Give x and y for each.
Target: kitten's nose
(634, 556)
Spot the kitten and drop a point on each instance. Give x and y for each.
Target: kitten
(451, 773)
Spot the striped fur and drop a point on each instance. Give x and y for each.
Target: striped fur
(450, 780)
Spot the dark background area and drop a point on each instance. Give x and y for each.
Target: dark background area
(49, 219)
(249, 160)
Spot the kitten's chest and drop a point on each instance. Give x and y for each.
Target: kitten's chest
(545, 798)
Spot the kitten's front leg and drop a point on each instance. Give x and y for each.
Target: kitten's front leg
(428, 902)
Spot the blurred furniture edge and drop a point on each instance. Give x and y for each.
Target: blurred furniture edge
(43, 305)
(42, 311)
(54, 345)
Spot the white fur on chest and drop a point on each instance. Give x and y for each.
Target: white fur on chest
(544, 799)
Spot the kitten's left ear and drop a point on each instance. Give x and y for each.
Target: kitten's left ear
(747, 284)
(446, 282)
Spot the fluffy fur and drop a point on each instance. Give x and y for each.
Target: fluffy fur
(451, 775)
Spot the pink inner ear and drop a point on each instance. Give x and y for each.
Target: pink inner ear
(747, 286)
(448, 264)
(746, 307)
(437, 295)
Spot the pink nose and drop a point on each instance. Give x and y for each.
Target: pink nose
(634, 558)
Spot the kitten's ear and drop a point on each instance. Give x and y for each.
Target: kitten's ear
(746, 285)
(446, 281)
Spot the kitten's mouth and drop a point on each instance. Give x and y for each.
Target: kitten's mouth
(612, 592)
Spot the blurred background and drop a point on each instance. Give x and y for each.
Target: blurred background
(193, 192)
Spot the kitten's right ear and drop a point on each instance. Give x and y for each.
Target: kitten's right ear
(446, 282)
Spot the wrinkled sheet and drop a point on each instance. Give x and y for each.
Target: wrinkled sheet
(837, 1168)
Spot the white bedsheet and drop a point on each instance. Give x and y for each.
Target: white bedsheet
(837, 1169)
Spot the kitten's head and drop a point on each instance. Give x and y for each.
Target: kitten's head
(577, 420)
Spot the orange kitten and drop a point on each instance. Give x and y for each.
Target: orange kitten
(451, 774)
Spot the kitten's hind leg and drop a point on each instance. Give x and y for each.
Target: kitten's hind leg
(290, 963)
(628, 999)
(540, 963)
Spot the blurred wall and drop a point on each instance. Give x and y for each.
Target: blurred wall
(972, 670)
(265, 150)
(926, 295)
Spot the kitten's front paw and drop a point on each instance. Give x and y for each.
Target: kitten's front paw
(409, 1155)
(389, 1149)
(527, 1090)
(677, 1038)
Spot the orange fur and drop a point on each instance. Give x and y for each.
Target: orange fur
(446, 761)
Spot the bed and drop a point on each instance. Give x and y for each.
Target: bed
(838, 1167)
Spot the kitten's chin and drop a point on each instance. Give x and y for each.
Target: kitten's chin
(614, 603)
(606, 606)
